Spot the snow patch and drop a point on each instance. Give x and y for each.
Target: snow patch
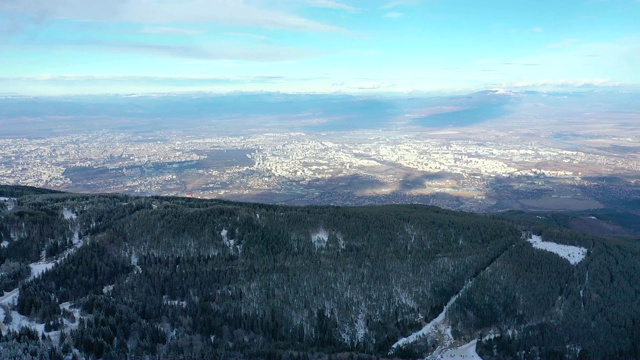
(68, 214)
(353, 334)
(320, 238)
(361, 327)
(71, 216)
(4, 244)
(40, 267)
(500, 92)
(493, 333)
(76, 238)
(573, 254)
(10, 202)
(19, 321)
(341, 242)
(180, 303)
(466, 351)
(411, 232)
(71, 325)
(134, 261)
(11, 297)
(229, 242)
(405, 298)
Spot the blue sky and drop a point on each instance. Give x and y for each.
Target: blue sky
(58, 47)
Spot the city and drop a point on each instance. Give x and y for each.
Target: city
(346, 168)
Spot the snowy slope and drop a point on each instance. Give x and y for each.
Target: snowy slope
(466, 352)
(38, 268)
(437, 326)
(573, 254)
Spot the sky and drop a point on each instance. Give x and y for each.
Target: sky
(60, 47)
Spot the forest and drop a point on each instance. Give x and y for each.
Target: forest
(113, 276)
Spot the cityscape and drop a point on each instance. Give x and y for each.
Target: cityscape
(472, 168)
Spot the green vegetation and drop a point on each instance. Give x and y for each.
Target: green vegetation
(187, 278)
(18, 191)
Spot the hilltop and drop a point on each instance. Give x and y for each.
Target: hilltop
(109, 276)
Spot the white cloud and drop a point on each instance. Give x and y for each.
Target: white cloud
(563, 83)
(393, 15)
(239, 12)
(396, 3)
(165, 30)
(127, 78)
(330, 4)
(617, 60)
(247, 35)
(537, 30)
(373, 85)
(563, 45)
(74, 84)
(216, 51)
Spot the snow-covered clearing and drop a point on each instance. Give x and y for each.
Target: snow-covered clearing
(18, 321)
(466, 351)
(573, 254)
(38, 268)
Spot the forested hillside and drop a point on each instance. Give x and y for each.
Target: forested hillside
(114, 276)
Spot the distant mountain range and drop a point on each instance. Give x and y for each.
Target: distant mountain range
(279, 111)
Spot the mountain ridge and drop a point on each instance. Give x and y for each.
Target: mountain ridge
(190, 278)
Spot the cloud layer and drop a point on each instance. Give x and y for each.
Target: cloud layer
(237, 12)
(377, 45)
